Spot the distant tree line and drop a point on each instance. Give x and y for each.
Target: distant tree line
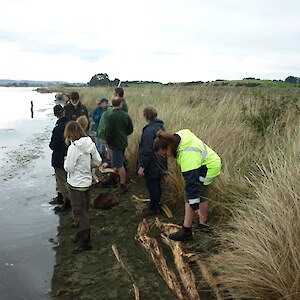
(292, 79)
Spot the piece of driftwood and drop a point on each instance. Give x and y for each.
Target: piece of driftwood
(186, 274)
(134, 197)
(151, 245)
(203, 269)
(104, 169)
(95, 177)
(120, 260)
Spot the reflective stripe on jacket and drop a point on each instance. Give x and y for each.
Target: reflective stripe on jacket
(192, 153)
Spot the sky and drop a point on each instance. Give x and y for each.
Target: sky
(157, 40)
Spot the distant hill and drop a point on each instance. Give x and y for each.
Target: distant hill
(33, 83)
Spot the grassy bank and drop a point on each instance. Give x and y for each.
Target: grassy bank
(254, 204)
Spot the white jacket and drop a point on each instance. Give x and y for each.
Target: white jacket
(81, 157)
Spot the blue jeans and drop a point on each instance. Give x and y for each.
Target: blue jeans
(154, 189)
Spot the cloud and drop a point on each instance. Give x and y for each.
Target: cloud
(158, 40)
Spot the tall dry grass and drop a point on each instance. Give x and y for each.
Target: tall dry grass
(256, 197)
(260, 257)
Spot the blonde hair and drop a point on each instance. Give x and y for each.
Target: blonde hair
(73, 132)
(83, 122)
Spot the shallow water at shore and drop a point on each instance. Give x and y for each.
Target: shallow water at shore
(27, 221)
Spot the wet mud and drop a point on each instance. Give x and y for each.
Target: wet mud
(97, 274)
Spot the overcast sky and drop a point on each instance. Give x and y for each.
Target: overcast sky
(157, 40)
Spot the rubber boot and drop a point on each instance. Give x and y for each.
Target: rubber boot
(84, 241)
(183, 235)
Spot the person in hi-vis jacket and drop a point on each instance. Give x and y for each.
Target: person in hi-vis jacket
(199, 165)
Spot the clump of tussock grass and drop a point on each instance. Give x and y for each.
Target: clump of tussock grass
(261, 258)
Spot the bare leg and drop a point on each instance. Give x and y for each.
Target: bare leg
(203, 212)
(188, 215)
(122, 174)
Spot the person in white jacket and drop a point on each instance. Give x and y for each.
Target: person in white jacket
(82, 155)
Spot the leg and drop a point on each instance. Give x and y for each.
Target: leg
(203, 211)
(153, 186)
(122, 174)
(185, 233)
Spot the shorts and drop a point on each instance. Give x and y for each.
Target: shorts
(194, 188)
(117, 158)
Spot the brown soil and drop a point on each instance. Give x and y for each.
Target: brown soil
(97, 274)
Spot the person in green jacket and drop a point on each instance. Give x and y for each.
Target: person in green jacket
(119, 93)
(119, 126)
(199, 165)
(74, 109)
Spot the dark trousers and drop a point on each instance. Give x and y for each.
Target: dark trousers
(80, 208)
(154, 189)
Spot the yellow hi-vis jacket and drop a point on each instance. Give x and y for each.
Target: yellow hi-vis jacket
(192, 153)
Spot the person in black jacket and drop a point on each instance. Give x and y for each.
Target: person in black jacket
(150, 165)
(57, 144)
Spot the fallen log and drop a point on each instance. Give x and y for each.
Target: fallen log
(151, 245)
(184, 271)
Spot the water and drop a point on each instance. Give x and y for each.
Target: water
(27, 221)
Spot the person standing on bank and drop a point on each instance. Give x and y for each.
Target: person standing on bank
(119, 126)
(119, 93)
(59, 148)
(150, 165)
(199, 165)
(82, 155)
(100, 135)
(74, 109)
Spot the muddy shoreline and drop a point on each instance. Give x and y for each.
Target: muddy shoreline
(96, 274)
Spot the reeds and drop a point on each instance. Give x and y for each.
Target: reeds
(256, 197)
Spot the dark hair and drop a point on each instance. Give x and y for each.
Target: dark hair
(116, 102)
(119, 92)
(58, 110)
(73, 132)
(150, 113)
(164, 140)
(75, 96)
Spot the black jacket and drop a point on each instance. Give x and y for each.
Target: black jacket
(154, 164)
(57, 143)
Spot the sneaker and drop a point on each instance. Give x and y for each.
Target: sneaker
(204, 228)
(123, 189)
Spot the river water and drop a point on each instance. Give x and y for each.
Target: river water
(27, 221)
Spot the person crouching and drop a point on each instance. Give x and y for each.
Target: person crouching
(82, 155)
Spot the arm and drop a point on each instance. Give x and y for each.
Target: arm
(70, 162)
(56, 139)
(96, 158)
(129, 126)
(109, 130)
(146, 147)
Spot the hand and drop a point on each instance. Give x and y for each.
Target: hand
(141, 171)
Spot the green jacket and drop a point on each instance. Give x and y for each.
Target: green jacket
(119, 126)
(103, 122)
(72, 113)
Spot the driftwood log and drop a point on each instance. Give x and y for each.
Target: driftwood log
(186, 274)
(151, 245)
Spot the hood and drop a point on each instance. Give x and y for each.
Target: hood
(85, 144)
